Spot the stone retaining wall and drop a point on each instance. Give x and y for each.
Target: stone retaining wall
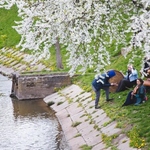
(37, 86)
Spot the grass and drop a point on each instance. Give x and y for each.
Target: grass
(133, 120)
(86, 147)
(8, 36)
(76, 124)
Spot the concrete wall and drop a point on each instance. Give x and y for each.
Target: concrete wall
(37, 86)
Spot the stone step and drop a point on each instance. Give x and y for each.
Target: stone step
(77, 106)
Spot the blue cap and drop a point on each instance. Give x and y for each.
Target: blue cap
(111, 73)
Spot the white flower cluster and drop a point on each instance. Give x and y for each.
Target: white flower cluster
(141, 28)
(81, 27)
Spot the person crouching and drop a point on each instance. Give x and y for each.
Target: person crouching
(102, 82)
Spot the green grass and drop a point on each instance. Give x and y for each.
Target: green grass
(8, 36)
(86, 147)
(133, 120)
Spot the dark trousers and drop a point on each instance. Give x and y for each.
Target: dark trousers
(124, 84)
(98, 93)
(131, 99)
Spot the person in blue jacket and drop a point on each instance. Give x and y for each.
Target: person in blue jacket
(137, 95)
(102, 82)
(129, 79)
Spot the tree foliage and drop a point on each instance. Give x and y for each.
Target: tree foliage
(87, 28)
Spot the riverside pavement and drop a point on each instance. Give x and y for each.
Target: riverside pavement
(82, 124)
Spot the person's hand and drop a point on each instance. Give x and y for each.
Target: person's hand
(114, 84)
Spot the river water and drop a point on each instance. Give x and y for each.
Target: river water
(28, 124)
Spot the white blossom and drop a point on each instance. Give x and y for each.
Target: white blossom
(86, 28)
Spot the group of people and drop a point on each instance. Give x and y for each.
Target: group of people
(136, 96)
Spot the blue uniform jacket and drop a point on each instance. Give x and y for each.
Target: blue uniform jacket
(101, 81)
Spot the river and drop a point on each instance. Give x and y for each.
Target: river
(28, 124)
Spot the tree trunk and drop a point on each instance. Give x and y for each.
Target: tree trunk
(58, 55)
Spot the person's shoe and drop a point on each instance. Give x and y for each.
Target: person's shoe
(136, 104)
(110, 99)
(97, 107)
(123, 105)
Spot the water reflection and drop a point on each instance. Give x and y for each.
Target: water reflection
(30, 108)
(25, 125)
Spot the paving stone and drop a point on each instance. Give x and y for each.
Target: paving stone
(84, 96)
(9, 61)
(8, 50)
(66, 123)
(15, 53)
(100, 122)
(86, 101)
(5, 59)
(125, 145)
(13, 63)
(6, 71)
(74, 109)
(72, 91)
(40, 67)
(76, 143)
(99, 117)
(22, 68)
(83, 125)
(90, 105)
(54, 98)
(118, 139)
(17, 66)
(93, 138)
(99, 146)
(1, 56)
(111, 129)
(20, 55)
(97, 112)
(87, 129)
(72, 132)
(62, 114)
(90, 110)
(56, 101)
(61, 106)
(79, 117)
(72, 88)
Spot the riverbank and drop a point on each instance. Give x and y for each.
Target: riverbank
(82, 125)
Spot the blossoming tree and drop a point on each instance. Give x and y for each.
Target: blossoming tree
(86, 28)
(140, 26)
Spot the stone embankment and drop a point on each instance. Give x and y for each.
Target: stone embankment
(12, 60)
(81, 123)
